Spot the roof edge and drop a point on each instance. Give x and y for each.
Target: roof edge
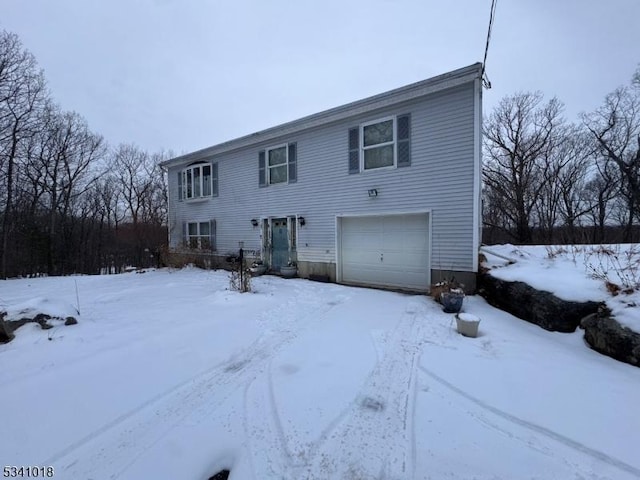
(414, 90)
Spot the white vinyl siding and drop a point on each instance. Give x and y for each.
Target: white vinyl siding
(440, 179)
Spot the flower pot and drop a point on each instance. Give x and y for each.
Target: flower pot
(451, 301)
(467, 324)
(288, 272)
(258, 270)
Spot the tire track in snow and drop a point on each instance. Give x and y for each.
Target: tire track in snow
(374, 437)
(262, 449)
(580, 447)
(198, 379)
(136, 431)
(269, 449)
(269, 454)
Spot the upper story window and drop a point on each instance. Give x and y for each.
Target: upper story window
(381, 143)
(198, 181)
(378, 144)
(278, 164)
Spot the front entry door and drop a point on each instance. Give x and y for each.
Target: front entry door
(279, 243)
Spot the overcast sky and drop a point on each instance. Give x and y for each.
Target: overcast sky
(187, 74)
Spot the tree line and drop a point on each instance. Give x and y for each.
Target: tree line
(547, 180)
(69, 202)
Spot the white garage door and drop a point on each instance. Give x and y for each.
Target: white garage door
(389, 251)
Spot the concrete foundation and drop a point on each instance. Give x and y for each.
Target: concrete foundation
(320, 271)
(317, 271)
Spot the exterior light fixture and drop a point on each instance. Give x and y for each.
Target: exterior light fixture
(302, 221)
(254, 222)
(372, 193)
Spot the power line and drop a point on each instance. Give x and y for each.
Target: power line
(485, 79)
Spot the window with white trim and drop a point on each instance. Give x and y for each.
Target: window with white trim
(277, 164)
(196, 181)
(382, 143)
(199, 235)
(378, 143)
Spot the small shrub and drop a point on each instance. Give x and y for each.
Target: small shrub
(619, 269)
(240, 283)
(448, 285)
(555, 251)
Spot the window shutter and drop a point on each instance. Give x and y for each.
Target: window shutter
(404, 140)
(354, 150)
(262, 174)
(180, 185)
(293, 166)
(212, 234)
(214, 179)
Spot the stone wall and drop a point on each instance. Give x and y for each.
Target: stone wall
(602, 332)
(607, 336)
(535, 306)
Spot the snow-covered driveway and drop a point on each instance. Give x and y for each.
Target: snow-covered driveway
(170, 376)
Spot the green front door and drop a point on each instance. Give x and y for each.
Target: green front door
(279, 243)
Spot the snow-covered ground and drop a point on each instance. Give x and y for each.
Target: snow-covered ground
(576, 272)
(170, 376)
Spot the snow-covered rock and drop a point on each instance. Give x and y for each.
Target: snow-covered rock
(47, 312)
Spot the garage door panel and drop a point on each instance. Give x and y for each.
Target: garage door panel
(416, 240)
(390, 250)
(361, 257)
(362, 240)
(404, 261)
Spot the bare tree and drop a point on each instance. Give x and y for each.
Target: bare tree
(615, 126)
(143, 192)
(520, 135)
(22, 89)
(572, 171)
(61, 170)
(62, 209)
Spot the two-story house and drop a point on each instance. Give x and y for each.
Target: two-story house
(382, 192)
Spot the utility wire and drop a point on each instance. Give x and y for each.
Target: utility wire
(485, 79)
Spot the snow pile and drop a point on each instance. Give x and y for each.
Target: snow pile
(607, 273)
(170, 375)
